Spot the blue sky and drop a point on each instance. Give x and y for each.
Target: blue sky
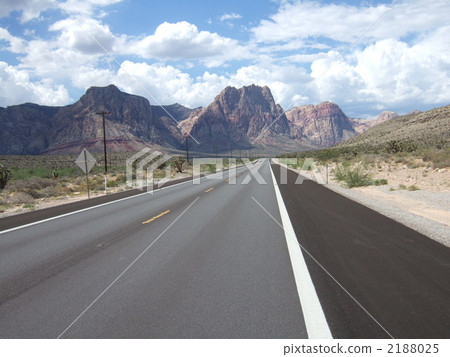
(366, 56)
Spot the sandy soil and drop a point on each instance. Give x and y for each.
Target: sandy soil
(431, 200)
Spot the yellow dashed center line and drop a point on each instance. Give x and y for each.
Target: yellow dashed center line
(156, 217)
(209, 189)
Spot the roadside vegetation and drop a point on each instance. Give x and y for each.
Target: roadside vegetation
(26, 181)
(354, 166)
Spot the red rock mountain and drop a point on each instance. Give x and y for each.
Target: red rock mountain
(132, 125)
(243, 118)
(324, 124)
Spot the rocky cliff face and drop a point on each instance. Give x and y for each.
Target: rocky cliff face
(25, 128)
(132, 124)
(237, 117)
(324, 124)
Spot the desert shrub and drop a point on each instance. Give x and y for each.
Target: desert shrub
(438, 158)
(357, 178)
(346, 164)
(112, 184)
(353, 177)
(32, 192)
(340, 173)
(396, 146)
(121, 179)
(49, 191)
(20, 198)
(32, 187)
(380, 182)
(178, 163)
(413, 188)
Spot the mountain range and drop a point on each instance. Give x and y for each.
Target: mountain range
(244, 118)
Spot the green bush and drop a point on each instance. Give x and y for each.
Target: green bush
(413, 188)
(396, 146)
(340, 173)
(112, 184)
(380, 182)
(355, 177)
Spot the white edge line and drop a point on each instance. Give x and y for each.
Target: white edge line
(100, 205)
(315, 321)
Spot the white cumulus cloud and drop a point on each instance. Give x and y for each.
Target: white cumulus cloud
(17, 87)
(85, 35)
(345, 23)
(397, 75)
(183, 40)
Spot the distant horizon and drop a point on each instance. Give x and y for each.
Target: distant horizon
(204, 106)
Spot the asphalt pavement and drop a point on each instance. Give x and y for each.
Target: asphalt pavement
(375, 278)
(192, 261)
(215, 260)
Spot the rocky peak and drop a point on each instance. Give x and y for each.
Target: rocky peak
(386, 115)
(324, 124)
(237, 116)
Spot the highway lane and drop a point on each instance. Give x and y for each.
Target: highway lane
(208, 263)
(395, 274)
(211, 262)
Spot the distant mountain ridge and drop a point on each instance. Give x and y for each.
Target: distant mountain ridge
(242, 118)
(425, 129)
(361, 125)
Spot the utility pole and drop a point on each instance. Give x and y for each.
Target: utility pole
(103, 113)
(186, 137)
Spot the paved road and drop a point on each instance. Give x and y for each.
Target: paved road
(211, 262)
(214, 266)
(399, 279)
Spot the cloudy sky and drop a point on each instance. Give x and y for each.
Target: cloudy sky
(366, 56)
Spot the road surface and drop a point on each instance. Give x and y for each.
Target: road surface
(210, 260)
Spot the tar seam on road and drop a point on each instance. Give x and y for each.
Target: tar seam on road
(320, 265)
(341, 55)
(117, 62)
(126, 269)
